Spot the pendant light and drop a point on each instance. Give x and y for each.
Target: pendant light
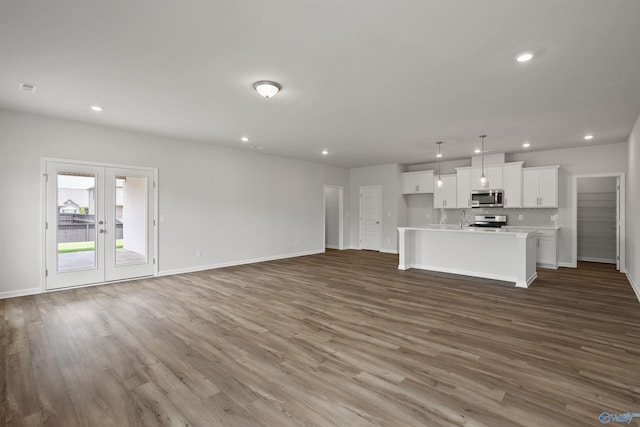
(439, 155)
(483, 178)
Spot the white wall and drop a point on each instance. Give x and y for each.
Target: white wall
(135, 214)
(633, 208)
(393, 210)
(232, 205)
(332, 217)
(600, 184)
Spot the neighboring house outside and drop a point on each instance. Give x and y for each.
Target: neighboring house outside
(73, 200)
(71, 207)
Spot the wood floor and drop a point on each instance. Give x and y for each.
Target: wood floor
(338, 339)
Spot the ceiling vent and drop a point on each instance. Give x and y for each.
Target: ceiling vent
(27, 87)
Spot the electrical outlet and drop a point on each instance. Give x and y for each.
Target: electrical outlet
(198, 253)
(428, 216)
(295, 243)
(388, 239)
(520, 217)
(163, 218)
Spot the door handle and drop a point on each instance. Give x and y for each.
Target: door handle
(377, 222)
(101, 230)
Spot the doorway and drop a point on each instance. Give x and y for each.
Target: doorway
(598, 219)
(333, 217)
(99, 223)
(370, 217)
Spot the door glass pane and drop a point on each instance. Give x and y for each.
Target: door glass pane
(76, 236)
(131, 220)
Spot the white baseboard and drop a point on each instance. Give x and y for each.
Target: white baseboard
(389, 251)
(20, 293)
(355, 248)
(567, 265)
(634, 286)
(332, 247)
(234, 263)
(602, 260)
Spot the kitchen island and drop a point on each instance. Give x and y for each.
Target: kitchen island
(493, 253)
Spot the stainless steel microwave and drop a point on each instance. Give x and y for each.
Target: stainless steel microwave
(487, 199)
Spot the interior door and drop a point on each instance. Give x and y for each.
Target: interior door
(99, 224)
(370, 215)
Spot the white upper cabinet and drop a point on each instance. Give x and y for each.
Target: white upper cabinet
(540, 187)
(445, 197)
(512, 185)
(417, 182)
(493, 175)
(463, 188)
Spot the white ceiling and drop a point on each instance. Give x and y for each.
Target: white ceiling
(374, 82)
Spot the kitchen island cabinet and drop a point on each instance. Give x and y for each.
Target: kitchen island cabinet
(489, 253)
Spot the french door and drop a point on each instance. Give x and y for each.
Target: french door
(99, 224)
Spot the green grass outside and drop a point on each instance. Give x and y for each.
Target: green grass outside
(64, 248)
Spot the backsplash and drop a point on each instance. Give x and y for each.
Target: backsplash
(530, 217)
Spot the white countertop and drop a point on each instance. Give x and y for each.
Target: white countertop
(533, 227)
(452, 228)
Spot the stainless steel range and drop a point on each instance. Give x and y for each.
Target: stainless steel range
(489, 221)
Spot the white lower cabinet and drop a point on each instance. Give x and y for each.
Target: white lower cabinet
(546, 245)
(546, 251)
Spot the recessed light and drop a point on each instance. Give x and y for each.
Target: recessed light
(439, 155)
(325, 152)
(526, 145)
(477, 151)
(256, 147)
(244, 139)
(588, 137)
(96, 108)
(524, 57)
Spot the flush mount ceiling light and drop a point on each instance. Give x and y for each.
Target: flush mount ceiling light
(266, 88)
(477, 151)
(524, 57)
(27, 87)
(483, 178)
(588, 137)
(439, 155)
(96, 108)
(325, 152)
(526, 145)
(244, 139)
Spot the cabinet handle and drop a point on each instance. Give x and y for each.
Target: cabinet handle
(445, 203)
(417, 188)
